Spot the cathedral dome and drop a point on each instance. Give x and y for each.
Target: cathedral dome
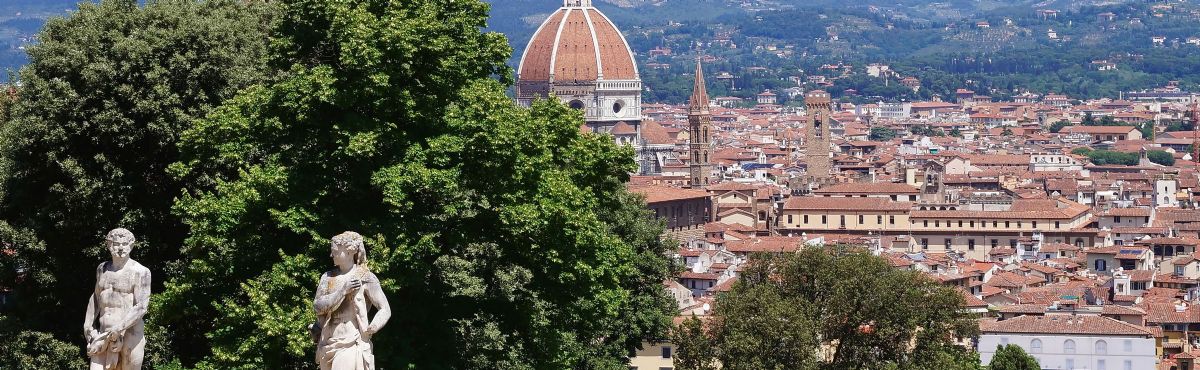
(577, 43)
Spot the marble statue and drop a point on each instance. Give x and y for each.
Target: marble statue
(113, 325)
(344, 296)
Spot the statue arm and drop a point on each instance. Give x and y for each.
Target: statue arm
(141, 300)
(89, 317)
(328, 302)
(375, 294)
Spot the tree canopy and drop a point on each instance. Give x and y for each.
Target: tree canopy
(503, 236)
(786, 309)
(87, 141)
(1012, 357)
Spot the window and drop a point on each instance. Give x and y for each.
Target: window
(959, 223)
(1101, 347)
(1100, 365)
(925, 223)
(789, 219)
(937, 223)
(860, 219)
(1070, 362)
(666, 352)
(1035, 346)
(1101, 265)
(879, 219)
(995, 223)
(1004, 341)
(1069, 347)
(924, 243)
(891, 220)
(972, 223)
(824, 220)
(1128, 345)
(1019, 224)
(1012, 243)
(971, 244)
(1055, 224)
(995, 243)
(1034, 224)
(947, 243)
(806, 219)
(1117, 219)
(1006, 224)
(1128, 364)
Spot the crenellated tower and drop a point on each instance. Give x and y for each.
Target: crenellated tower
(816, 153)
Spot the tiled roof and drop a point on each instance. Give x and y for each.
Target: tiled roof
(845, 204)
(868, 188)
(659, 193)
(1064, 324)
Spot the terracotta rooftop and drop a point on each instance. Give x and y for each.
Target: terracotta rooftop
(577, 44)
(1064, 324)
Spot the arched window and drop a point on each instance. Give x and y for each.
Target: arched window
(1101, 347)
(1101, 265)
(1035, 346)
(1069, 346)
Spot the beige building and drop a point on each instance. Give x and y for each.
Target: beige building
(968, 229)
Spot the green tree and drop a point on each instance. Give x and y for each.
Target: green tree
(503, 236)
(1083, 150)
(1161, 157)
(1058, 126)
(1007, 131)
(695, 350)
(883, 318)
(1147, 130)
(100, 106)
(955, 133)
(880, 133)
(1012, 357)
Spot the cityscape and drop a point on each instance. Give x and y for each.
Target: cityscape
(533, 184)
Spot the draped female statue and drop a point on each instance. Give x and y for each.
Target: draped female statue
(344, 297)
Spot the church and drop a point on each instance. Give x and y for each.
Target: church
(579, 56)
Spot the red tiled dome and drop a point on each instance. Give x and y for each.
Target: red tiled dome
(577, 43)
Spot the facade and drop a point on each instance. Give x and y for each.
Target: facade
(973, 230)
(700, 137)
(1072, 342)
(680, 208)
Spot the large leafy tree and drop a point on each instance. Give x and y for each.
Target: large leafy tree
(1013, 357)
(503, 236)
(834, 308)
(88, 138)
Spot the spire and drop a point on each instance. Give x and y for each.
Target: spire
(699, 99)
(577, 3)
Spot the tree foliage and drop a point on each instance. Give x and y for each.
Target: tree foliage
(1012, 357)
(787, 307)
(880, 133)
(503, 236)
(93, 127)
(1058, 126)
(695, 346)
(1160, 157)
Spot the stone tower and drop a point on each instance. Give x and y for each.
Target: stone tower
(816, 152)
(700, 124)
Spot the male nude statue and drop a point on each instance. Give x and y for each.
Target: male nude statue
(113, 324)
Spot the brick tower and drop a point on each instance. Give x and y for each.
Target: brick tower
(700, 124)
(816, 152)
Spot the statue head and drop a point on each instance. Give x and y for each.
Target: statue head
(120, 242)
(352, 244)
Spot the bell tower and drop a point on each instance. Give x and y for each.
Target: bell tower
(700, 132)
